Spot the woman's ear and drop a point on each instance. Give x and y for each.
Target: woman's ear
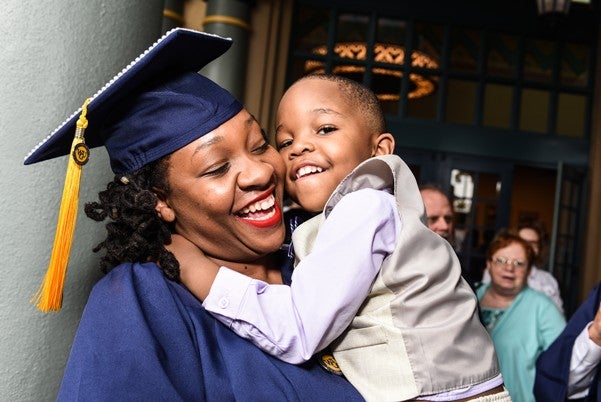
(383, 144)
(164, 211)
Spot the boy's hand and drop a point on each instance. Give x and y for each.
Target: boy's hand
(197, 271)
(594, 331)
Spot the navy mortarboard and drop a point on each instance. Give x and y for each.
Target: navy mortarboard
(156, 105)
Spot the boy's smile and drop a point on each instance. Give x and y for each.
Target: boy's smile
(307, 170)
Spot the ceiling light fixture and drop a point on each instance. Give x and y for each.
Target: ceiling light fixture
(386, 81)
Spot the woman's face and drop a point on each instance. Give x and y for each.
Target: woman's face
(531, 237)
(226, 191)
(509, 269)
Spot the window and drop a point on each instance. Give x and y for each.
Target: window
(450, 72)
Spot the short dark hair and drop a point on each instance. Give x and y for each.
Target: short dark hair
(434, 187)
(359, 95)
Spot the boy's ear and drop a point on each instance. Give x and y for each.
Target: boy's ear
(383, 144)
(164, 211)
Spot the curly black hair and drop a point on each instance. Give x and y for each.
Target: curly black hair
(135, 233)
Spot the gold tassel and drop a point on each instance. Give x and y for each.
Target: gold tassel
(50, 294)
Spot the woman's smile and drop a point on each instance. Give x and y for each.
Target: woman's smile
(262, 213)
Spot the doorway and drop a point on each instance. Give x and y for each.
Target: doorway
(487, 195)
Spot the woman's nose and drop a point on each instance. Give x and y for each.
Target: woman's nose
(256, 173)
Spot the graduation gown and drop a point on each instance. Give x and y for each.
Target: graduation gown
(553, 366)
(144, 337)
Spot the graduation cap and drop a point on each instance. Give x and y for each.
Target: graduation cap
(156, 105)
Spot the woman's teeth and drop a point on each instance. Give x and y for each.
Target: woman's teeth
(262, 205)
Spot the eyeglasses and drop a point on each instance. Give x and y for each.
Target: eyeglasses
(503, 261)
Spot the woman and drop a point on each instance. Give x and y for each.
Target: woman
(521, 321)
(538, 279)
(188, 159)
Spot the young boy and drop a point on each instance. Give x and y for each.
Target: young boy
(373, 281)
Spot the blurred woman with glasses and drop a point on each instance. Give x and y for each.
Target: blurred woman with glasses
(522, 322)
(539, 278)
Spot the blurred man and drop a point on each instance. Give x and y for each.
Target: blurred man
(438, 211)
(440, 217)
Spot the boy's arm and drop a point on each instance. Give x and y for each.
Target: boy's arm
(197, 272)
(328, 286)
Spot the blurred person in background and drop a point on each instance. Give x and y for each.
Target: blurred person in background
(438, 211)
(540, 280)
(522, 322)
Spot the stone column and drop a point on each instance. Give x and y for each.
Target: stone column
(173, 14)
(230, 18)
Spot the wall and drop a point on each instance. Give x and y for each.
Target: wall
(53, 55)
(592, 254)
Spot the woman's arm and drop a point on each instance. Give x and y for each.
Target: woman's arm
(328, 286)
(552, 323)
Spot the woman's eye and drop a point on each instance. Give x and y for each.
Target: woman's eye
(326, 129)
(284, 144)
(220, 170)
(264, 147)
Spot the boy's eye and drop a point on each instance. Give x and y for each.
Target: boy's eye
(326, 129)
(284, 144)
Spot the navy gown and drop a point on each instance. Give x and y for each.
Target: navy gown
(553, 365)
(143, 337)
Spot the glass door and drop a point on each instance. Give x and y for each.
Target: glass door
(480, 194)
(479, 191)
(489, 194)
(566, 239)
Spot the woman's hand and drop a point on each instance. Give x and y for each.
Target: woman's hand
(197, 271)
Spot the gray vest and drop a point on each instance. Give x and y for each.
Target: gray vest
(418, 332)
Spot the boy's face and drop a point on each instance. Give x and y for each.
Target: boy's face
(322, 137)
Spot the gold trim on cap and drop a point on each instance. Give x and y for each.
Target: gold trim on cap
(226, 19)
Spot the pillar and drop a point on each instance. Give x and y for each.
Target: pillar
(230, 18)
